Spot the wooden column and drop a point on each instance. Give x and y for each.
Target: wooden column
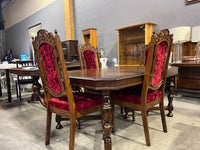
(69, 19)
(149, 28)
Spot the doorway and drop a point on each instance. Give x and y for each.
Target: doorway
(32, 31)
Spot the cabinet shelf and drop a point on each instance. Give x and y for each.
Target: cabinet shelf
(131, 42)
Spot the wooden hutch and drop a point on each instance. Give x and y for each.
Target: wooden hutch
(90, 36)
(131, 42)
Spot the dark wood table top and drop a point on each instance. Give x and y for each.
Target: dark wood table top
(113, 78)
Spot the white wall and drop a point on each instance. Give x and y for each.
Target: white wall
(17, 10)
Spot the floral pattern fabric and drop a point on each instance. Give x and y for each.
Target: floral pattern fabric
(134, 96)
(46, 52)
(82, 101)
(160, 59)
(90, 61)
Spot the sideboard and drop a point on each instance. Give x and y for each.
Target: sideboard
(188, 77)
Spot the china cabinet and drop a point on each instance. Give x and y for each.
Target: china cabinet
(131, 42)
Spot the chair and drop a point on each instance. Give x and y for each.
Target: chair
(57, 88)
(151, 92)
(22, 80)
(89, 57)
(127, 110)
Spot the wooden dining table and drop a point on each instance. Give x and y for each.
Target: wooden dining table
(114, 78)
(105, 81)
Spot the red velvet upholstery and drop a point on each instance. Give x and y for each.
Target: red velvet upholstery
(47, 55)
(58, 95)
(161, 51)
(89, 57)
(150, 94)
(160, 59)
(82, 100)
(135, 96)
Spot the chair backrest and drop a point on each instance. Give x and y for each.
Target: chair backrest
(89, 57)
(157, 61)
(52, 66)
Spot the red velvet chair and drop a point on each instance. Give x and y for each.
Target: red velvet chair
(125, 109)
(57, 88)
(89, 57)
(151, 93)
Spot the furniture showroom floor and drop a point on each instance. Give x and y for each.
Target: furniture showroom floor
(22, 127)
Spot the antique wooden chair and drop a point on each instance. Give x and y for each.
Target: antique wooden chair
(151, 92)
(57, 88)
(89, 57)
(125, 110)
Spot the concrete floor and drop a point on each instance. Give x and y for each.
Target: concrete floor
(22, 127)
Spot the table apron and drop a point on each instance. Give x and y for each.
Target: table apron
(107, 84)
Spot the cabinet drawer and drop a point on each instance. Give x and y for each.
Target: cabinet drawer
(189, 83)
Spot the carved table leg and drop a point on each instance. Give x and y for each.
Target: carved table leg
(36, 96)
(107, 123)
(58, 120)
(171, 96)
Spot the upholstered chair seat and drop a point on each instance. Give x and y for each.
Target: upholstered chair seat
(82, 101)
(58, 95)
(135, 96)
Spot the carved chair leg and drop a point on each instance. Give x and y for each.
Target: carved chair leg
(78, 123)
(58, 120)
(126, 112)
(121, 110)
(133, 114)
(147, 112)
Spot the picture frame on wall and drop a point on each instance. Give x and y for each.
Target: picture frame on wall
(187, 2)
